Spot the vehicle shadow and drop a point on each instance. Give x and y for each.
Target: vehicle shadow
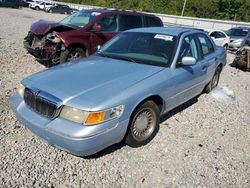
(163, 118)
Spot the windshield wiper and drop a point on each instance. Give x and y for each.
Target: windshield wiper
(125, 58)
(100, 52)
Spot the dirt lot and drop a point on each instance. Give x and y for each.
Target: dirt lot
(207, 143)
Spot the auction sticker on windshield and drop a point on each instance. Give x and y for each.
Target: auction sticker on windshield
(164, 37)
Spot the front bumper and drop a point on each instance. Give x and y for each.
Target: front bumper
(66, 135)
(43, 56)
(234, 47)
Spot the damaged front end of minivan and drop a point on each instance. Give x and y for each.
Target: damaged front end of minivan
(44, 43)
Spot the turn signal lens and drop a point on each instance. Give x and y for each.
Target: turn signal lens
(20, 90)
(95, 118)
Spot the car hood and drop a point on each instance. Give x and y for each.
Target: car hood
(42, 27)
(90, 81)
(233, 38)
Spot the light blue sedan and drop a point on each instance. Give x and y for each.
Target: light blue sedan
(119, 93)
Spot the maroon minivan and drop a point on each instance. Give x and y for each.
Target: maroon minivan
(81, 34)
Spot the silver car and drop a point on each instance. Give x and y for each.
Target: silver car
(239, 36)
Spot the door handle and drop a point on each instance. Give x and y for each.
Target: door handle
(204, 68)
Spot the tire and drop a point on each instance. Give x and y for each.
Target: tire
(214, 82)
(50, 11)
(144, 125)
(37, 8)
(72, 54)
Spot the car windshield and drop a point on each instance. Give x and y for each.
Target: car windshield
(147, 48)
(79, 19)
(237, 32)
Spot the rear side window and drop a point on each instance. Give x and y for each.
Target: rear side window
(206, 45)
(151, 22)
(129, 22)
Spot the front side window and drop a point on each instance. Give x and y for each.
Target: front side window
(147, 48)
(188, 48)
(108, 23)
(219, 35)
(79, 19)
(206, 44)
(127, 22)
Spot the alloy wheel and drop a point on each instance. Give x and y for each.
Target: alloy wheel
(73, 56)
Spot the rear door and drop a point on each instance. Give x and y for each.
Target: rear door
(208, 55)
(109, 25)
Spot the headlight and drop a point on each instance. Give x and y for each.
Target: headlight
(53, 37)
(56, 39)
(73, 114)
(238, 41)
(20, 90)
(90, 118)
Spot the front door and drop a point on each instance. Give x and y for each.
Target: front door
(189, 79)
(109, 28)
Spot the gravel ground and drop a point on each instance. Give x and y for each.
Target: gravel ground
(205, 143)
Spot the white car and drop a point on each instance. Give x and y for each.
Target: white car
(47, 7)
(40, 5)
(35, 4)
(220, 38)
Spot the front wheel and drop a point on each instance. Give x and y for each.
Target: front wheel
(72, 54)
(143, 125)
(214, 82)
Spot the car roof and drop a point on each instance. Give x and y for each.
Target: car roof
(118, 11)
(175, 31)
(247, 28)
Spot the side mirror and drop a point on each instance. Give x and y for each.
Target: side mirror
(188, 61)
(96, 28)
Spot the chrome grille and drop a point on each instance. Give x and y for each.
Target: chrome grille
(39, 104)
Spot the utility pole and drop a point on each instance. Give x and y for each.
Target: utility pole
(183, 8)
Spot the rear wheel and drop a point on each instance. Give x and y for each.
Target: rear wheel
(214, 82)
(50, 11)
(72, 54)
(143, 125)
(37, 8)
